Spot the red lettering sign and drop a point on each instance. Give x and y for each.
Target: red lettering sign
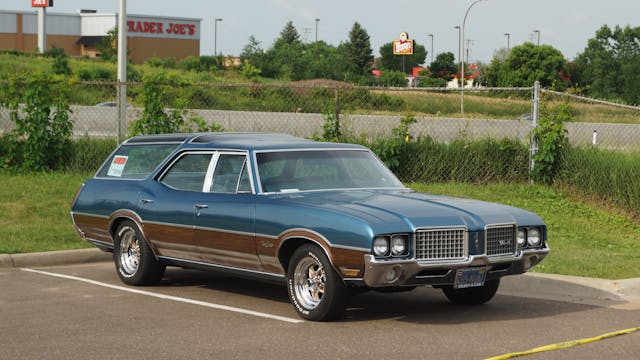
(153, 27)
(41, 3)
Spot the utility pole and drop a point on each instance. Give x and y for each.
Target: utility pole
(122, 67)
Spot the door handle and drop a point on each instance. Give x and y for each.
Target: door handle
(201, 206)
(146, 201)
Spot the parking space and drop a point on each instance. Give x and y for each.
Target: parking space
(89, 313)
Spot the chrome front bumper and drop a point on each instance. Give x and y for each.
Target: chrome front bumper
(412, 272)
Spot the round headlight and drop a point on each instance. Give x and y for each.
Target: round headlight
(533, 237)
(381, 246)
(398, 245)
(522, 237)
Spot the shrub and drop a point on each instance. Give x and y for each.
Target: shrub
(39, 108)
(551, 136)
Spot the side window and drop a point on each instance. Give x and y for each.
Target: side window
(226, 176)
(188, 172)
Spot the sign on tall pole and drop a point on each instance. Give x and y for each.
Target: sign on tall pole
(42, 6)
(403, 46)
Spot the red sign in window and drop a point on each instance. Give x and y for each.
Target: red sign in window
(41, 3)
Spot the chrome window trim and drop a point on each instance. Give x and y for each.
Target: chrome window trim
(214, 162)
(208, 180)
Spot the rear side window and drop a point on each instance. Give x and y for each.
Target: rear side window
(135, 161)
(188, 172)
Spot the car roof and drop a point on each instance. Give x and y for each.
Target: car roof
(239, 141)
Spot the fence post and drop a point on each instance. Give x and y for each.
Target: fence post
(336, 94)
(534, 119)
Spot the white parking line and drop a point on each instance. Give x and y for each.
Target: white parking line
(172, 298)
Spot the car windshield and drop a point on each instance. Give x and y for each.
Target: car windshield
(290, 171)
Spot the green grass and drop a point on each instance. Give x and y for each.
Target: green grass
(586, 240)
(35, 212)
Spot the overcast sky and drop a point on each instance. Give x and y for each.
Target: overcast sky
(564, 24)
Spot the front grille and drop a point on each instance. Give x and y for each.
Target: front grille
(441, 244)
(501, 240)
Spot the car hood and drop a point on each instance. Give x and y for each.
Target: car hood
(405, 207)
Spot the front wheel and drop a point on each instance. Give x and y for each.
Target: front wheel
(472, 296)
(135, 262)
(315, 289)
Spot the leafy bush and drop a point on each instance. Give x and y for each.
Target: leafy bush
(392, 78)
(96, 73)
(40, 110)
(551, 136)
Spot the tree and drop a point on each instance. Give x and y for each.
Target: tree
(357, 50)
(526, 64)
(609, 67)
(444, 66)
(402, 62)
(109, 46)
(289, 35)
(322, 60)
(284, 59)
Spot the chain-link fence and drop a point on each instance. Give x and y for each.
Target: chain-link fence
(493, 133)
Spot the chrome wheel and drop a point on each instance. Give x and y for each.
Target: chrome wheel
(129, 251)
(309, 282)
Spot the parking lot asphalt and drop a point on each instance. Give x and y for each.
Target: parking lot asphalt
(547, 286)
(83, 311)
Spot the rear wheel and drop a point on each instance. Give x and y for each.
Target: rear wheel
(472, 296)
(315, 289)
(135, 262)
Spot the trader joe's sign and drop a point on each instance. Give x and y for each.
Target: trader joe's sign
(163, 27)
(403, 46)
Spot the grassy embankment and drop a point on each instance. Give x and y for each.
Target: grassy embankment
(477, 104)
(586, 239)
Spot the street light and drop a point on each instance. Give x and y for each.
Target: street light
(215, 36)
(317, 29)
(459, 51)
(508, 41)
(538, 33)
(462, 62)
(431, 35)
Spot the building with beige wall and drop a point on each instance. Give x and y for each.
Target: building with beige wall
(79, 34)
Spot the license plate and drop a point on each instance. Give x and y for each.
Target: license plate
(470, 277)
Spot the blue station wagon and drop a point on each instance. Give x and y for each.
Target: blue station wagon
(327, 219)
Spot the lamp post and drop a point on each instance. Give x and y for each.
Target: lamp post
(538, 33)
(508, 41)
(317, 20)
(462, 62)
(459, 50)
(215, 36)
(431, 35)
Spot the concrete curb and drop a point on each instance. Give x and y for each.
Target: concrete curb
(54, 258)
(573, 288)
